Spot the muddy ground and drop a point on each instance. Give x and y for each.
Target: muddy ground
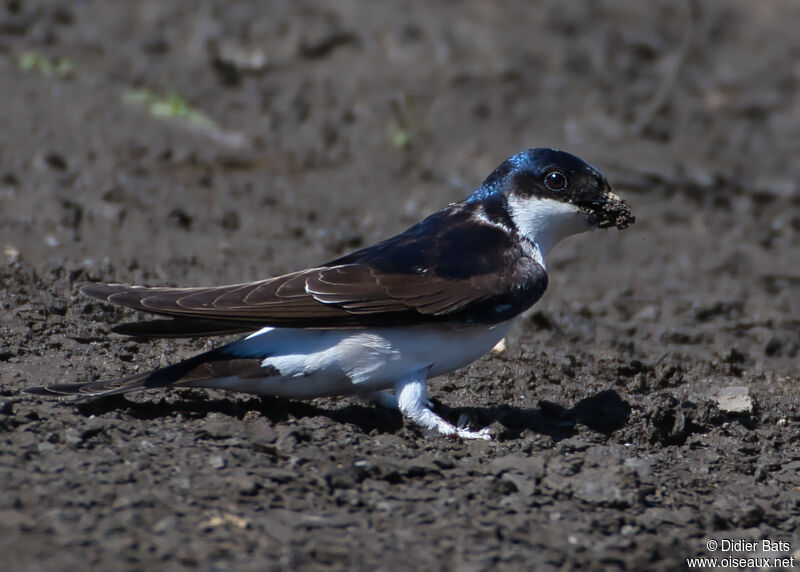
(315, 128)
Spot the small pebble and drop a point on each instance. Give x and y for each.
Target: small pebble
(217, 462)
(734, 399)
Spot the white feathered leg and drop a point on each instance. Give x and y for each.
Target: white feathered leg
(412, 400)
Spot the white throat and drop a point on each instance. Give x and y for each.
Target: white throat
(546, 221)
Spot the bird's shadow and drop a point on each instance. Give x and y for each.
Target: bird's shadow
(604, 412)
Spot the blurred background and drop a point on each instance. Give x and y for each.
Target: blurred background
(178, 129)
(205, 142)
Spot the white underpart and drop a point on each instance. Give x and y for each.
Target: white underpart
(303, 364)
(260, 332)
(546, 221)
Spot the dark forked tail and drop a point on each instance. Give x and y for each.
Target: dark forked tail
(94, 388)
(213, 364)
(157, 378)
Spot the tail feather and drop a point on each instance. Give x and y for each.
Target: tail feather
(157, 378)
(193, 371)
(96, 388)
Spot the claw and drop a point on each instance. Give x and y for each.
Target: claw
(484, 434)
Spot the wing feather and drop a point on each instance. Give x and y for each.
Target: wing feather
(426, 274)
(334, 297)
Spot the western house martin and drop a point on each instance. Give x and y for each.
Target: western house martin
(387, 317)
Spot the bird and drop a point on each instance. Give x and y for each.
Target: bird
(379, 322)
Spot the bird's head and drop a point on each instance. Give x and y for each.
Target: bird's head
(548, 195)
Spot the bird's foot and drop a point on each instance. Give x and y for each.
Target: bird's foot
(413, 404)
(485, 434)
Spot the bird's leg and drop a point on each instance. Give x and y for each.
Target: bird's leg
(412, 400)
(386, 399)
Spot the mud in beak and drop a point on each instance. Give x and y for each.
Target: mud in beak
(610, 210)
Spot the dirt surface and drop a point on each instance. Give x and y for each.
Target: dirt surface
(648, 404)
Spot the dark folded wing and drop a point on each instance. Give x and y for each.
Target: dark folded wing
(454, 265)
(181, 328)
(340, 296)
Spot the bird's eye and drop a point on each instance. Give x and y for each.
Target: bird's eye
(555, 181)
